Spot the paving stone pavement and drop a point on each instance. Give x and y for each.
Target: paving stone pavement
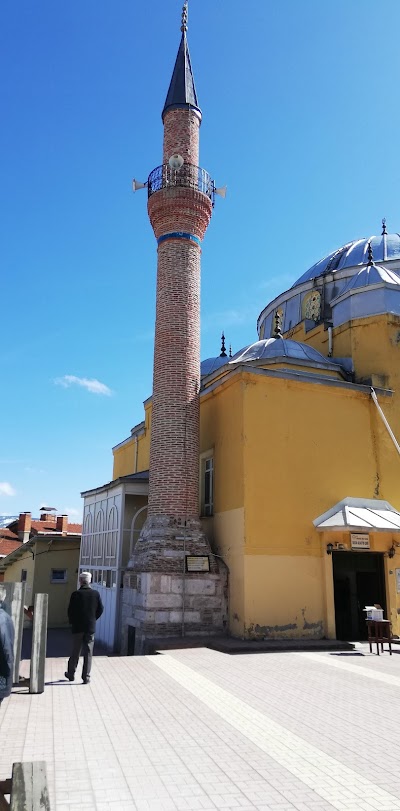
(198, 729)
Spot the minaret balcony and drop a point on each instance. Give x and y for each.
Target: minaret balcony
(188, 177)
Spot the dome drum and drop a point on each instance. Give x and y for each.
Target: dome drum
(316, 295)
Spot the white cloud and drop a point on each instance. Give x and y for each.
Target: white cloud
(72, 512)
(6, 489)
(228, 318)
(90, 384)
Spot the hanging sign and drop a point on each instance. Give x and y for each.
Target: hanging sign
(359, 540)
(197, 563)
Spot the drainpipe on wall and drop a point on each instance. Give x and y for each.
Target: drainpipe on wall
(136, 454)
(385, 422)
(330, 341)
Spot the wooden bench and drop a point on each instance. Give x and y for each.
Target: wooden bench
(27, 788)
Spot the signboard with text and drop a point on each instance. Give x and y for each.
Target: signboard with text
(359, 540)
(197, 563)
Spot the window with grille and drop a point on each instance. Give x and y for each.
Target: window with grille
(208, 486)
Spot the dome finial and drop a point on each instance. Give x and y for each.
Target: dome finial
(370, 254)
(277, 330)
(184, 26)
(223, 348)
(230, 350)
(384, 231)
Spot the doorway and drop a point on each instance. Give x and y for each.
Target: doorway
(358, 580)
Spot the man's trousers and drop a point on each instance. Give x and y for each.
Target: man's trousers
(81, 643)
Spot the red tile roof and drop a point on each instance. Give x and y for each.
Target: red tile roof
(7, 546)
(6, 533)
(50, 526)
(39, 527)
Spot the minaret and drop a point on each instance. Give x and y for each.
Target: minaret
(180, 205)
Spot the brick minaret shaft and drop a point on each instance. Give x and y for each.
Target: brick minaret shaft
(163, 595)
(174, 454)
(179, 217)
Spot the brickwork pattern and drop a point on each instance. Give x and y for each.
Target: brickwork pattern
(159, 597)
(181, 135)
(174, 449)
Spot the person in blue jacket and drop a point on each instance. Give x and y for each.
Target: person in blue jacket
(6, 649)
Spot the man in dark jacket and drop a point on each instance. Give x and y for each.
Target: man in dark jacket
(6, 649)
(85, 607)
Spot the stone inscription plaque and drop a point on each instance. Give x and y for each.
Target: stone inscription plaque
(197, 563)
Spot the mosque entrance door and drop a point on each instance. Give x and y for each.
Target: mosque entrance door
(359, 580)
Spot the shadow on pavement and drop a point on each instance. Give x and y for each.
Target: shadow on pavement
(58, 644)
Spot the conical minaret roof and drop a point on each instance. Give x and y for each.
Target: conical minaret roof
(182, 90)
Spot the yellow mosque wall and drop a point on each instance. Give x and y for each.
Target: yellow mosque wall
(221, 430)
(124, 459)
(305, 447)
(285, 451)
(133, 456)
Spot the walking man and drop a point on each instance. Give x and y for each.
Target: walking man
(85, 607)
(6, 649)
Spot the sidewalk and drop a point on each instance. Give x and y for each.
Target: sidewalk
(199, 729)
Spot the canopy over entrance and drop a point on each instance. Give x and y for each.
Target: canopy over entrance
(360, 514)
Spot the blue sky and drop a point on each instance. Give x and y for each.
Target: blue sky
(300, 120)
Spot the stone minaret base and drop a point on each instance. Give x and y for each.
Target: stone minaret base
(160, 598)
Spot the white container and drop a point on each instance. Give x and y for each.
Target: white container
(374, 614)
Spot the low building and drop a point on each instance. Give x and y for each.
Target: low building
(8, 543)
(46, 557)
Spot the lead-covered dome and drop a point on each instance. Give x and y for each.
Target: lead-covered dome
(327, 293)
(384, 248)
(210, 365)
(271, 348)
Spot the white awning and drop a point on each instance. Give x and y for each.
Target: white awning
(360, 514)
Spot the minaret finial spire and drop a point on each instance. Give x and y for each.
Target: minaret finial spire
(184, 26)
(223, 347)
(277, 330)
(370, 254)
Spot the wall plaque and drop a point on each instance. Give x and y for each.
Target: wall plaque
(197, 563)
(398, 580)
(359, 540)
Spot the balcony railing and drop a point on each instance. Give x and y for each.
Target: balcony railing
(188, 176)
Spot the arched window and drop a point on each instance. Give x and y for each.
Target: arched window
(136, 527)
(98, 537)
(112, 537)
(86, 542)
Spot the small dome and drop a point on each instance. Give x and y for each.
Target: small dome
(372, 274)
(211, 365)
(385, 248)
(279, 348)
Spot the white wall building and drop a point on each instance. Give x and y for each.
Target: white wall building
(112, 519)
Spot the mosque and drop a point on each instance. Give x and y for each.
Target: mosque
(259, 496)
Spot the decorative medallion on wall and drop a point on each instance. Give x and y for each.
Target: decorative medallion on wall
(312, 306)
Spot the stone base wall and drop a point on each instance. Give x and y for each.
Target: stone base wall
(161, 599)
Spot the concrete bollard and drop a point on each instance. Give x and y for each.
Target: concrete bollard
(39, 642)
(14, 605)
